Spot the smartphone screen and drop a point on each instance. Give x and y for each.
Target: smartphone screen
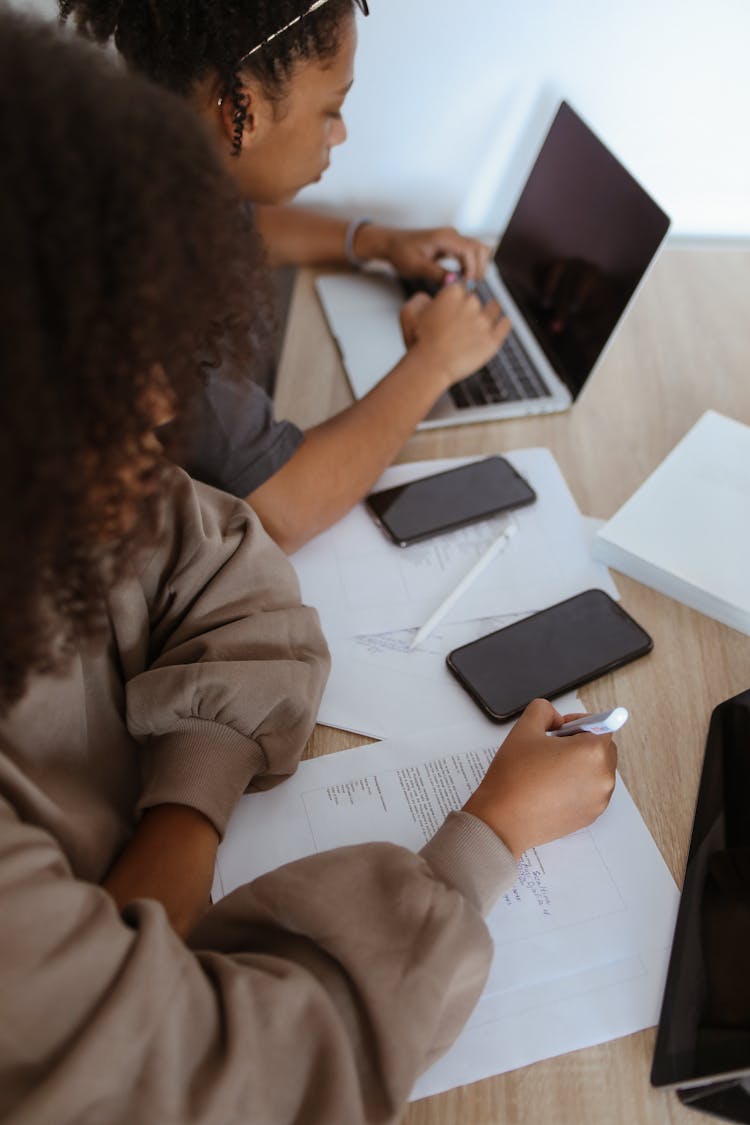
(432, 505)
(548, 653)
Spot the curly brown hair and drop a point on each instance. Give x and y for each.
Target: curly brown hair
(177, 43)
(124, 251)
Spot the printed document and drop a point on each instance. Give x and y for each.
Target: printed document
(582, 939)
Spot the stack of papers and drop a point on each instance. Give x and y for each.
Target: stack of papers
(581, 941)
(372, 597)
(686, 531)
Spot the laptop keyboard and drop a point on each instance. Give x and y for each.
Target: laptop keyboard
(507, 377)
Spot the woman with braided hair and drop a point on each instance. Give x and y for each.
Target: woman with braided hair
(269, 79)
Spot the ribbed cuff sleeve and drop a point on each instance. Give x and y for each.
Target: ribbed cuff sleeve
(466, 854)
(204, 765)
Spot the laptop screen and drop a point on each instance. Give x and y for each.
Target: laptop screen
(578, 242)
(704, 1030)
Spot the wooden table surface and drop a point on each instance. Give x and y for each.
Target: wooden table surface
(683, 348)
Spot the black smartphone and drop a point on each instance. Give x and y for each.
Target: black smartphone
(548, 653)
(445, 501)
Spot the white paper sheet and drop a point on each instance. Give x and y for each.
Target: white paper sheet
(378, 687)
(361, 583)
(582, 939)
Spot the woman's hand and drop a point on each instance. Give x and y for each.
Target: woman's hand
(538, 788)
(453, 331)
(416, 253)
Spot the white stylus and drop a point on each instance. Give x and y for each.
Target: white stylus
(605, 722)
(484, 559)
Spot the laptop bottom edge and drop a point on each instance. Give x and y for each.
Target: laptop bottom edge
(444, 413)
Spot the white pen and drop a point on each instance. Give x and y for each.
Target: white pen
(604, 722)
(486, 557)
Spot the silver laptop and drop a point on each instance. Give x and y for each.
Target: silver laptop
(569, 262)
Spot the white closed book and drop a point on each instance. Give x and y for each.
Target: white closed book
(686, 531)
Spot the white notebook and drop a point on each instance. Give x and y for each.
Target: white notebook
(686, 531)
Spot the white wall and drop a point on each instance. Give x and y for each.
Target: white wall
(452, 98)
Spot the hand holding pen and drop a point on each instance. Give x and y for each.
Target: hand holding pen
(537, 790)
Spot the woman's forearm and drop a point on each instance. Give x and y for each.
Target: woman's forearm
(170, 858)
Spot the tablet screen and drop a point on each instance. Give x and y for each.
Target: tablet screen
(704, 1030)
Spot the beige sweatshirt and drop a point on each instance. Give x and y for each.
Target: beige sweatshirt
(315, 994)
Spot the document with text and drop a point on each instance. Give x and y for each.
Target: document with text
(581, 940)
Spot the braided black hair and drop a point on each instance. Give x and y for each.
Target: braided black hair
(124, 250)
(177, 43)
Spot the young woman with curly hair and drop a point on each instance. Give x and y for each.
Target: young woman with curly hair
(269, 78)
(155, 661)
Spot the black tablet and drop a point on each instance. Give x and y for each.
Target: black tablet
(703, 1041)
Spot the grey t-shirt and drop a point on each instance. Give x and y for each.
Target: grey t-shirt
(235, 442)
